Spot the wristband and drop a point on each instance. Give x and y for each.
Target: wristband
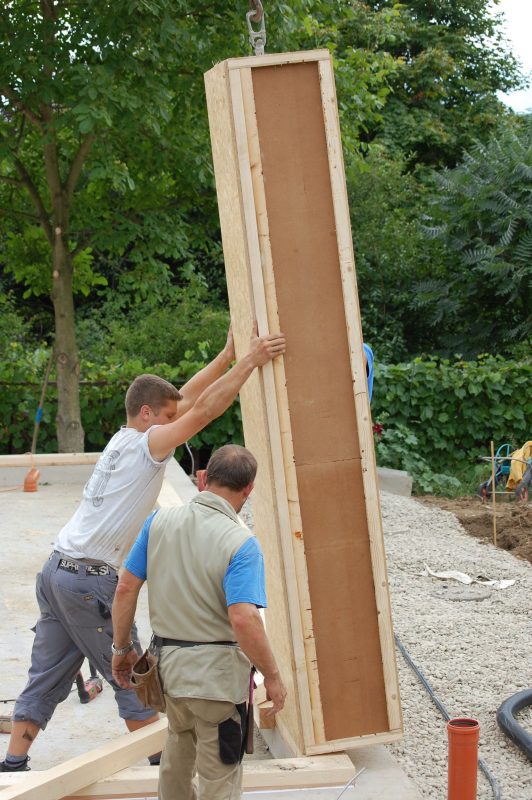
(121, 651)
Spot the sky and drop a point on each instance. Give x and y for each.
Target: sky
(518, 29)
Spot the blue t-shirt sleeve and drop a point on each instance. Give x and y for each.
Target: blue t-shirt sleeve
(137, 560)
(369, 369)
(244, 578)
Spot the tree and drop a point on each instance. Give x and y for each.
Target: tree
(482, 211)
(392, 255)
(89, 137)
(105, 172)
(450, 60)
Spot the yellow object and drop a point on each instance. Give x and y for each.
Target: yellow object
(517, 468)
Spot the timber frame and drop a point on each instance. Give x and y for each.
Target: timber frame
(290, 265)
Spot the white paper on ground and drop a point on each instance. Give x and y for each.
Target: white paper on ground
(454, 575)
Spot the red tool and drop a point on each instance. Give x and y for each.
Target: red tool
(88, 690)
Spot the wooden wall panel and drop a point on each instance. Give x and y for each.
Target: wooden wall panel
(289, 263)
(243, 312)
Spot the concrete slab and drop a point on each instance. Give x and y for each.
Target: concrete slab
(395, 481)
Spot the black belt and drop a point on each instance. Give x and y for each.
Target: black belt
(160, 641)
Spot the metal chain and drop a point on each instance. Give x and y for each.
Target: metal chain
(257, 39)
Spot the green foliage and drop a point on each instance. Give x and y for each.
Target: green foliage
(384, 197)
(482, 212)
(121, 86)
(103, 388)
(186, 323)
(446, 413)
(398, 447)
(452, 59)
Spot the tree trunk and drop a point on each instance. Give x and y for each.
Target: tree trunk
(70, 434)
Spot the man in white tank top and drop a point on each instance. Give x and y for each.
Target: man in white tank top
(76, 587)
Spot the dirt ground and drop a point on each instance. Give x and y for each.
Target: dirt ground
(513, 520)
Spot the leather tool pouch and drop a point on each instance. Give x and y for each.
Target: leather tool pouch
(145, 677)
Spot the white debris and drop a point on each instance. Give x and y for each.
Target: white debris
(454, 575)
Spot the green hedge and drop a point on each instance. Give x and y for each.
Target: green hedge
(456, 408)
(102, 394)
(442, 412)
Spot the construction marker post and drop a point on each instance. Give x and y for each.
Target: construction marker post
(463, 734)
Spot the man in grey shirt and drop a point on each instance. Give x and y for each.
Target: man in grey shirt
(76, 586)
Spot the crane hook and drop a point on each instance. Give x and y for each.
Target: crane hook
(257, 38)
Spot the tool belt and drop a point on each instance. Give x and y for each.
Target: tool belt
(147, 683)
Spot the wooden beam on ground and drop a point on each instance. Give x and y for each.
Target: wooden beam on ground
(49, 459)
(77, 773)
(289, 773)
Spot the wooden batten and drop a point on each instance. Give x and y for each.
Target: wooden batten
(49, 460)
(142, 782)
(290, 265)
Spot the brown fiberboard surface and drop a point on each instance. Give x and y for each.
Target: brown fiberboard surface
(320, 397)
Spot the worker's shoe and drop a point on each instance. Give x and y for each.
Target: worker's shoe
(17, 766)
(155, 760)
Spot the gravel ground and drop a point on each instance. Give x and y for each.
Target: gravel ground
(474, 653)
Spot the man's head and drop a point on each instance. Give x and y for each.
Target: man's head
(230, 473)
(151, 400)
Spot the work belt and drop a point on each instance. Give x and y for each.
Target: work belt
(160, 641)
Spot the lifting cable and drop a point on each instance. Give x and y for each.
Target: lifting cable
(257, 38)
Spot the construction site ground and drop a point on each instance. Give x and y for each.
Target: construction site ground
(29, 523)
(513, 520)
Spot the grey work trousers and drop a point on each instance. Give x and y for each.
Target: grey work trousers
(75, 623)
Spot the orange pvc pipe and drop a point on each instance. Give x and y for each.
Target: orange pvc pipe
(463, 734)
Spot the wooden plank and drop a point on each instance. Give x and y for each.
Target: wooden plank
(277, 59)
(289, 773)
(340, 745)
(178, 479)
(281, 452)
(362, 405)
(257, 435)
(49, 459)
(168, 496)
(81, 771)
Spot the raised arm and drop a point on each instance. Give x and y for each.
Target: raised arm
(250, 634)
(205, 377)
(217, 397)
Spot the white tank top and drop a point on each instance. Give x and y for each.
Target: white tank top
(117, 498)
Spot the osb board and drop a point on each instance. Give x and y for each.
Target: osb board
(322, 410)
(252, 394)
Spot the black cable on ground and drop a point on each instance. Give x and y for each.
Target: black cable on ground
(445, 714)
(508, 725)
